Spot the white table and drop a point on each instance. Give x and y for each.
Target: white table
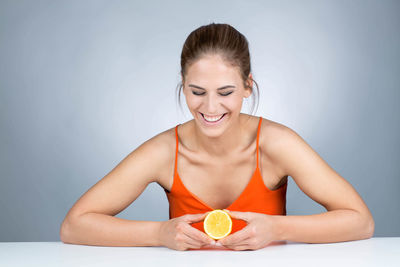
(369, 252)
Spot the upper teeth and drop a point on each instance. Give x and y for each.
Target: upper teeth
(215, 118)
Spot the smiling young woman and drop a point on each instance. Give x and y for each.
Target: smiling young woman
(221, 159)
(214, 93)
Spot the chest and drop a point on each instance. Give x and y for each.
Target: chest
(216, 186)
(218, 183)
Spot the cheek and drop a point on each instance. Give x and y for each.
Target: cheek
(193, 102)
(234, 103)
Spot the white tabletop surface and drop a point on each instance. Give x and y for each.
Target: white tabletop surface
(369, 252)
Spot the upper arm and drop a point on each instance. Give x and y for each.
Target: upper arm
(312, 174)
(123, 184)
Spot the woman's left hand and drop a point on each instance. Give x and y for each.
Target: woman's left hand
(259, 232)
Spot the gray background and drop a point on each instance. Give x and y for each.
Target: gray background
(83, 83)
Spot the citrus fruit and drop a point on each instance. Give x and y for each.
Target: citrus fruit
(218, 224)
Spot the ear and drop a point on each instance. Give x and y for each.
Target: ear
(249, 86)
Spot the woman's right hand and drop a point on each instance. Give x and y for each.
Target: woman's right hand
(178, 234)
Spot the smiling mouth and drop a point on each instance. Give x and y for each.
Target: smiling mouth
(212, 118)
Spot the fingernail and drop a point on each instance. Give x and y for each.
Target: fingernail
(212, 242)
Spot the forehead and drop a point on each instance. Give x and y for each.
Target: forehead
(212, 68)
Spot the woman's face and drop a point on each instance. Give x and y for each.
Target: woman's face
(214, 92)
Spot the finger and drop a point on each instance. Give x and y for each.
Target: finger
(198, 235)
(191, 218)
(235, 238)
(242, 245)
(239, 215)
(193, 243)
(244, 242)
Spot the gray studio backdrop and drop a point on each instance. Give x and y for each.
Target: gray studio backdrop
(83, 83)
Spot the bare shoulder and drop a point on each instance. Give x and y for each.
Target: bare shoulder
(274, 138)
(274, 133)
(161, 148)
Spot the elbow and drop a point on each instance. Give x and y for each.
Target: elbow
(65, 231)
(69, 229)
(370, 227)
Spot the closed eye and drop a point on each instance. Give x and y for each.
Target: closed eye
(195, 93)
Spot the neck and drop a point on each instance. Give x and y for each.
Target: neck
(228, 142)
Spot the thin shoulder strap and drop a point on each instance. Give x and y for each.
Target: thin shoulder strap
(176, 150)
(258, 137)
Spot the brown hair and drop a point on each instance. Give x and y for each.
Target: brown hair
(221, 39)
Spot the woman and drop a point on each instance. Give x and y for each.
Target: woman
(227, 160)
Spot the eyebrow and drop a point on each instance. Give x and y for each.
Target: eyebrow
(221, 88)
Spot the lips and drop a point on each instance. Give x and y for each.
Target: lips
(214, 116)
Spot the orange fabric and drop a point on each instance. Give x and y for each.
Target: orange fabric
(256, 197)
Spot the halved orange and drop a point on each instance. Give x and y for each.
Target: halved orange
(218, 224)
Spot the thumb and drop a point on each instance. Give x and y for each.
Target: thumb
(246, 216)
(191, 218)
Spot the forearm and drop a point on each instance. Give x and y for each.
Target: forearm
(105, 230)
(327, 227)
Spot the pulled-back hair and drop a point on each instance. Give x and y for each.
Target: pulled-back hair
(220, 39)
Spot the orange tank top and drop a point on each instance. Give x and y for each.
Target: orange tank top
(256, 197)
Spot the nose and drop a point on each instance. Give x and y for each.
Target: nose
(212, 104)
